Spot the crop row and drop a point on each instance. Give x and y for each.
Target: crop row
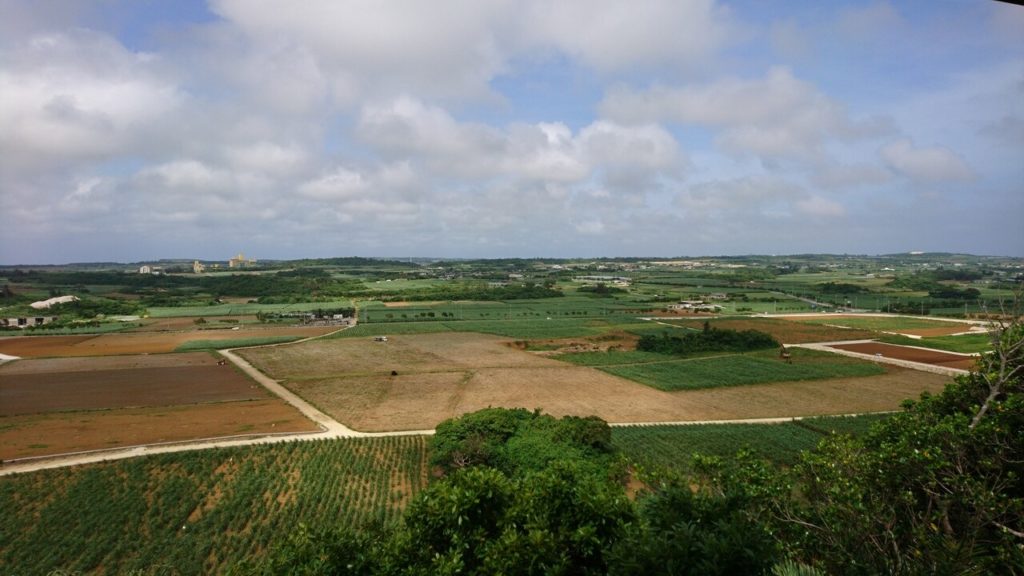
(197, 512)
(672, 447)
(738, 370)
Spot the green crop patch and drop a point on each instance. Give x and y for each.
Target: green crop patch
(881, 323)
(194, 345)
(741, 370)
(672, 447)
(200, 512)
(964, 344)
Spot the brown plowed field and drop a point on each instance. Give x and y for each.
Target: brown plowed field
(933, 357)
(56, 405)
(60, 433)
(444, 375)
(37, 386)
(136, 343)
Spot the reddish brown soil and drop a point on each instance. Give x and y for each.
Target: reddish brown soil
(28, 389)
(136, 343)
(59, 433)
(933, 357)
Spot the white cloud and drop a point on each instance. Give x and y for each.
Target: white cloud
(775, 116)
(929, 164)
(267, 157)
(616, 36)
(818, 207)
(646, 146)
(76, 96)
(410, 130)
(340, 184)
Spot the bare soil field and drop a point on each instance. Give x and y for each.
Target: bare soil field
(444, 375)
(912, 354)
(787, 330)
(58, 385)
(59, 433)
(136, 343)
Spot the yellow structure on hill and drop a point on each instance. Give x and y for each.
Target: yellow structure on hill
(241, 261)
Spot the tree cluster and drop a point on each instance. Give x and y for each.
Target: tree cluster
(710, 339)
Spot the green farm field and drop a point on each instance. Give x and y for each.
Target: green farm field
(193, 345)
(200, 512)
(664, 373)
(671, 447)
(242, 309)
(880, 323)
(965, 343)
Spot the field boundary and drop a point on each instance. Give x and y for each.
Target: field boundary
(827, 347)
(777, 420)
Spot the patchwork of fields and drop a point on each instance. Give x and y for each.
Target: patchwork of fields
(205, 511)
(437, 376)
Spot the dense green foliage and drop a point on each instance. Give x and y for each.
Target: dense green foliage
(708, 340)
(516, 441)
(840, 288)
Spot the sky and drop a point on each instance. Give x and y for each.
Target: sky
(135, 130)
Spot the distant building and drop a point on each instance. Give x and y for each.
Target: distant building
(145, 269)
(241, 261)
(26, 322)
(198, 267)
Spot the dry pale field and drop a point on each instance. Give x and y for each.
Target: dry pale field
(444, 375)
(124, 343)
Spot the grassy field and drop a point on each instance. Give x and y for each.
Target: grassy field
(199, 512)
(965, 344)
(101, 329)
(193, 345)
(879, 323)
(659, 447)
(666, 373)
(787, 331)
(519, 329)
(242, 309)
